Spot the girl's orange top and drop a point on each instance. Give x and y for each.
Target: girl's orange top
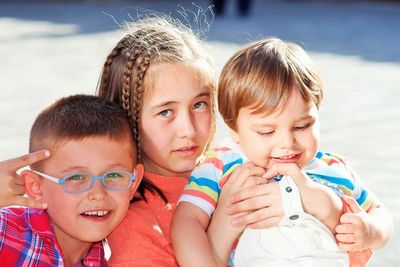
(142, 239)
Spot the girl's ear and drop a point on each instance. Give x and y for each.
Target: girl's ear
(33, 185)
(138, 178)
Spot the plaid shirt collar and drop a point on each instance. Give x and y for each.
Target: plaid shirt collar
(43, 228)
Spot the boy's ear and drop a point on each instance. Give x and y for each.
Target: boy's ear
(33, 185)
(139, 176)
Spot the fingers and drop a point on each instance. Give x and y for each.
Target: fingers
(242, 173)
(345, 238)
(31, 203)
(18, 190)
(267, 223)
(253, 191)
(25, 160)
(348, 247)
(345, 228)
(261, 218)
(351, 203)
(350, 218)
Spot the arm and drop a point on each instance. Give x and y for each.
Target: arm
(221, 232)
(327, 209)
(328, 206)
(12, 185)
(367, 224)
(266, 203)
(189, 238)
(191, 242)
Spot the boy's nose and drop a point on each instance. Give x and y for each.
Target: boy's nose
(286, 140)
(97, 192)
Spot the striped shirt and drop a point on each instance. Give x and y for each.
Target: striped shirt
(27, 239)
(329, 169)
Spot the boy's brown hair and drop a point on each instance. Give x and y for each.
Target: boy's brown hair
(263, 75)
(76, 117)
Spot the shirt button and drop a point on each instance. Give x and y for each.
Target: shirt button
(294, 217)
(288, 189)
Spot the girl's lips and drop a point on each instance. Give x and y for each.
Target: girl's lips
(186, 151)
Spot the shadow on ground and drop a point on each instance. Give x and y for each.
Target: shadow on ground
(366, 29)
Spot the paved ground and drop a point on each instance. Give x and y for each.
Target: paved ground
(51, 49)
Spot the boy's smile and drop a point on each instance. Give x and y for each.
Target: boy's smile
(289, 134)
(91, 215)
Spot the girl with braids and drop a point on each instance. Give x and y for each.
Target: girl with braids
(160, 74)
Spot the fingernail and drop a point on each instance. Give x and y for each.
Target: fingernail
(235, 222)
(47, 153)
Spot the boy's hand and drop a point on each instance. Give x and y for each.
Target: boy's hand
(12, 185)
(356, 231)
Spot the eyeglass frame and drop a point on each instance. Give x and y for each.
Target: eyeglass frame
(93, 178)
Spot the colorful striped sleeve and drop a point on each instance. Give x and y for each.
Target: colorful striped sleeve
(347, 180)
(208, 177)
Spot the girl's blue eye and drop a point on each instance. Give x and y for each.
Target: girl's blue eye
(200, 105)
(166, 113)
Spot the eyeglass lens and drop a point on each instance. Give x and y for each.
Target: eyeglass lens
(118, 180)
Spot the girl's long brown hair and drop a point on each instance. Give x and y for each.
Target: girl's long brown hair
(147, 41)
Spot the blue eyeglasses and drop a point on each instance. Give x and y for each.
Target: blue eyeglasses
(81, 182)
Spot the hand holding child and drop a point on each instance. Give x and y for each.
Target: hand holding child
(261, 200)
(12, 185)
(251, 200)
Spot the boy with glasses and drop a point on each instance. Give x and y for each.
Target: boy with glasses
(85, 185)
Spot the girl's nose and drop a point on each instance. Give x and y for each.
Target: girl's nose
(186, 126)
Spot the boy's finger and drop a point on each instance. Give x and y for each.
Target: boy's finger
(25, 160)
(351, 204)
(31, 203)
(344, 229)
(346, 247)
(345, 238)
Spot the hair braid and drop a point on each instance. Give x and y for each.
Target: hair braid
(103, 89)
(137, 98)
(105, 75)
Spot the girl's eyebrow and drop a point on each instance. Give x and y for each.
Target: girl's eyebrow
(166, 103)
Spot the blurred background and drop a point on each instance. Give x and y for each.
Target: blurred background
(50, 49)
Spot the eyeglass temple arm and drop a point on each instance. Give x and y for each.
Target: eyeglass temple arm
(51, 178)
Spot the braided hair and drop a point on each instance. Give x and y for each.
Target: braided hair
(147, 41)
